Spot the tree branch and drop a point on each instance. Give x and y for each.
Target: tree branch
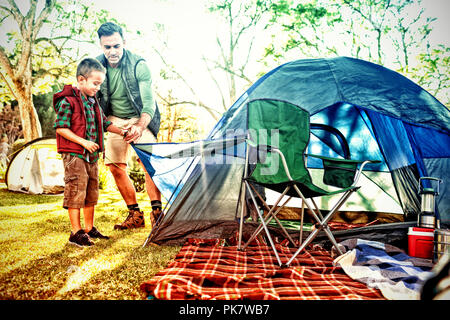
(9, 86)
(6, 64)
(170, 104)
(16, 14)
(49, 5)
(222, 96)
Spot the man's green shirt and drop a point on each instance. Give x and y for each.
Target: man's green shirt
(120, 104)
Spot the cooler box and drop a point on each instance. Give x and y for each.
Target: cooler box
(420, 242)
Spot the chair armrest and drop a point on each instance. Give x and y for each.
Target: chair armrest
(342, 173)
(349, 161)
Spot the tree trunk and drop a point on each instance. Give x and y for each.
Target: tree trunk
(31, 125)
(30, 120)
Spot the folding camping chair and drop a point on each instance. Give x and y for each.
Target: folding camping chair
(290, 133)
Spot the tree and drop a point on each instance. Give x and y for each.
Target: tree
(46, 47)
(432, 72)
(241, 21)
(177, 123)
(170, 73)
(230, 70)
(392, 33)
(299, 29)
(19, 75)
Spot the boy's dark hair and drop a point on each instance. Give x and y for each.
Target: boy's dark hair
(87, 65)
(108, 29)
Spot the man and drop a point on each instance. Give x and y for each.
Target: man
(127, 100)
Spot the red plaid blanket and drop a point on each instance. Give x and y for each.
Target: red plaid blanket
(207, 270)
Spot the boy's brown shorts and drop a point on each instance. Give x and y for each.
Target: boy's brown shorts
(81, 182)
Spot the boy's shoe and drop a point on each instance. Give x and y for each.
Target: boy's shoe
(94, 233)
(154, 216)
(80, 239)
(135, 219)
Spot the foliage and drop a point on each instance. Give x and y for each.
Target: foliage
(44, 45)
(10, 122)
(10, 118)
(178, 121)
(60, 45)
(391, 33)
(432, 72)
(44, 107)
(105, 179)
(136, 174)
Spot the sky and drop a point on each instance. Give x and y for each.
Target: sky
(191, 23)
(193, 29)
(186, 22)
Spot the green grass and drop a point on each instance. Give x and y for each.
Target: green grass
(36, 261)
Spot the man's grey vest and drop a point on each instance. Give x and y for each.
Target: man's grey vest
(129, 62)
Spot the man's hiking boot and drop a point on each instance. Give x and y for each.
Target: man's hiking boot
(94, 233)
(80, 239)
(135, 219)
(154, 216)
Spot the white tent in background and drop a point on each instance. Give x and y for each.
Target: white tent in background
(36, 168)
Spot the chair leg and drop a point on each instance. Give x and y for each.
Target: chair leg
(270, 215)
(242, 214)
(264, 226)
(323, 225)
(300, 239)
(307, 241)
(273, 215)
(332, 239)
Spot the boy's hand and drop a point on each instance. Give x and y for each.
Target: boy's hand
(90, 146)
(69, 135)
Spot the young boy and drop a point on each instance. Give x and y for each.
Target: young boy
(80, 125)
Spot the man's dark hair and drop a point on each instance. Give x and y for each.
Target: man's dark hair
(108, 29)
(87, 65)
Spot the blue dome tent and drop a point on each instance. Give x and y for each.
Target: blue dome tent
(381, 114)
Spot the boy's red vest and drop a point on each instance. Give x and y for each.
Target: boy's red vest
(78, 121)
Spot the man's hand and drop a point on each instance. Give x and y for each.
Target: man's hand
(134, 133)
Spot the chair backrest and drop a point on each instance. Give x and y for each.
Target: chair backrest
(335, 173)
(285, 126)
(332, 138)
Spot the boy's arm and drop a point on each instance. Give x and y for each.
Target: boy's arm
(70, 135)
(112, 128)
